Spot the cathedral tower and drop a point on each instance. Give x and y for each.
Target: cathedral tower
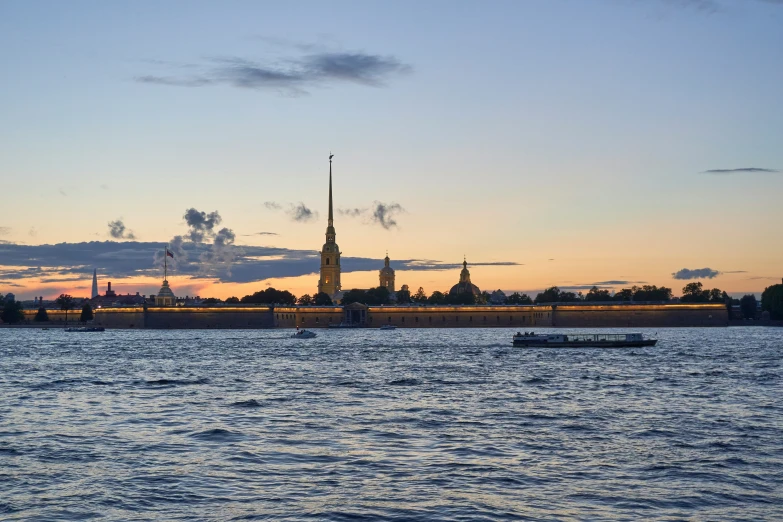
(386, 275)
(329, 283)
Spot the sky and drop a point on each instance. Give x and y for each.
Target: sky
(549, 142)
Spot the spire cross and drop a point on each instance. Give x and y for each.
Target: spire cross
(331, 213)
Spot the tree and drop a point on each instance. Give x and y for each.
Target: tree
(65, 302)
(271, 296)
(322, 299)
(693, 293)
(651, 293)
(626, 294)
(483, 298)
(419, 296)
(41, 316)
(232, 300)
(550, 295)
(403, 296)
(464, 298)
(717, 295)
(12, 312)
(305, 300)
(772, 301)
(437, 298)
(87, 314)
(748, 305)
(210, 301)
(519, 299)
(379, 295)
(598, 294)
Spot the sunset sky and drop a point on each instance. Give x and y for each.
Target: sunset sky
(551, 142)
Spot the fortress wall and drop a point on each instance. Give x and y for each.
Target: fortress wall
(639, 316)
(56, 317)
(459, 316)
(307, 316)
(119, 317)
(223, 318)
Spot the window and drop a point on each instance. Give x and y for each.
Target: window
(417, 319)
(327, 260)
(317, 320)
(389, 320)
(471, 319)
(485, 318)
(430, 318)
(403, 319)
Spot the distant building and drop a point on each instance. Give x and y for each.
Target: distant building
(464, 286)
(386, 275)
(497, 297)
(329, 282)
(95, 292)
(111, 298)
(165, 296)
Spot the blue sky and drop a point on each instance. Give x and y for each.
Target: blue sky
(512, 132)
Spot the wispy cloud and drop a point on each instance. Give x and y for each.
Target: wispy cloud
(272, 205)
(32, 232)
(383, 214)
(261, 234)
(62, 191)
(291, 76)
(117, 230)
(301, 214)
(696, 273)
(743, 170)
(4, 231)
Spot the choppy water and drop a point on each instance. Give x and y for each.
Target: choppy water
(402, 425)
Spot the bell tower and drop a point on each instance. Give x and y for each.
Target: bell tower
(329, 283)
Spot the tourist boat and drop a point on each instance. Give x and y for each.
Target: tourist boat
(85, 329)
(388, 327)
(304, 334)
(612, 340)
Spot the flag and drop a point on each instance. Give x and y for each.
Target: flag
(169, 254)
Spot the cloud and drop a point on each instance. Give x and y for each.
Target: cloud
(224, 263)
(61, 191)
(696, 273)
(117, 230)
(384, 215)
(291, 76)
(103, 186)
(352, 212)
(272, 205)
(301, 214)
(4, 231)
(201, 224)
(743, 170)
(32, 232)
(735, 272)
(261, 234)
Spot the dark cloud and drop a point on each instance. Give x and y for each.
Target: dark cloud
(743, 170)
(301, 214)
(119, 260)
(272, 205)
(292, 76)
(201, 224)
(696, 273)
(384, 214)
(117, 230)
(352, 212)
(736, 272)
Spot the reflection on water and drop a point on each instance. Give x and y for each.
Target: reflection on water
(404, 424)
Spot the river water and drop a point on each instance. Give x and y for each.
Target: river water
(439, 424)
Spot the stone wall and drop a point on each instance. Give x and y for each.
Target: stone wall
(431, 316)
(459, 316)
(641, 315)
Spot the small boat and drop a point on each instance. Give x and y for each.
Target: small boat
(85, 329)
(304, 334)
(621, 340)
(388, 327)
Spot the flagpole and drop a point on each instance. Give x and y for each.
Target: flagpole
(166, 263)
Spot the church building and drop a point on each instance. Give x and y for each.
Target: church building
(465, 286)
(329, 282)
(387, 275)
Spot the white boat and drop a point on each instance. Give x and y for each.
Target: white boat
(613, 340)
(388, 327)
(304, 334)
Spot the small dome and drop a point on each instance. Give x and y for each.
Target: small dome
(465, 288)
(165, 291)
